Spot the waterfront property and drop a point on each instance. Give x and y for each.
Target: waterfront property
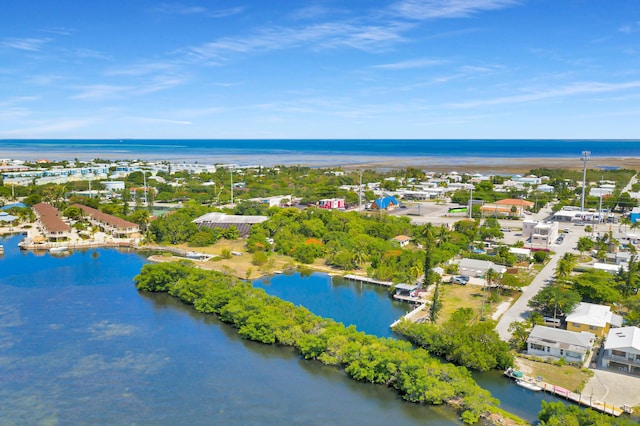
(224, 221)
(622, 349)
(112, 225)
(596, 319)
(554, 343)
(50, 224)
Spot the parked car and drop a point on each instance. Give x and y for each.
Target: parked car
(460, 279)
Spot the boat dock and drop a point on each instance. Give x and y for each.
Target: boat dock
(411, 315)
(367, 280)
(577, 398)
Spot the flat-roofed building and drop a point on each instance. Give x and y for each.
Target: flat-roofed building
(225, 221)
(622, 349)
(555, 343)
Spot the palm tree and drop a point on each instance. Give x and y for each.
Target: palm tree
(584, 244)
(565, 266)
(416, 270)
(359, 257)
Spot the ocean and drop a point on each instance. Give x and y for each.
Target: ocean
(317, 152)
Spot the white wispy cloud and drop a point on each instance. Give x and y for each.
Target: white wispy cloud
(412, 63)
(58, 31)
(630, 28)
(310, 12)
(181, 9)
(160, 83)
(155, 120)
(28, 44)
(576, 89)
(88, 53)
(434, 9)
(324, 35)
(100, 91)
(48, 128)
(141, 69)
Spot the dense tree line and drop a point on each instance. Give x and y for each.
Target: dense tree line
(461, 340)
(560, 414)
(257, 316)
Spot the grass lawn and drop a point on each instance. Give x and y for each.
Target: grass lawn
(240, 266)
(568, 377)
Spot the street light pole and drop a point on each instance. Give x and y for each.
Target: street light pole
(586, 156)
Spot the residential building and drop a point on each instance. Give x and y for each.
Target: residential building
(541, 233)
(50, 223)
(596, 319)
(402, 240)
(385, 203)
(478, 268)
(224, 221)
(622, 349)
(556, 343)
(113, 225)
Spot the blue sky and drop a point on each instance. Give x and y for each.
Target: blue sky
(320, 69)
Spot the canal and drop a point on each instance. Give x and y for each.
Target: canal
(79, 345)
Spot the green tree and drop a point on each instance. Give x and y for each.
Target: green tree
(584, 244)
(555, 300)
(565, 266)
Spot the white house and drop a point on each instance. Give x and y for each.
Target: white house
(541, 233)
(622, 349)
(545, 188)
(557, 343)
(478, 268)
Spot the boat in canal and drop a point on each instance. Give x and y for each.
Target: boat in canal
(528, 385)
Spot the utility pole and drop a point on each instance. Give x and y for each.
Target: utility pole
(471, 203)
(360, 193)
(231, 171)
(586, 156)
(144, 182)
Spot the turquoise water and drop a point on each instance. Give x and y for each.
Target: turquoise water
(282, 151)
(79, 345)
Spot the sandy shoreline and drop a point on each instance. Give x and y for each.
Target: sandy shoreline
(459, 163)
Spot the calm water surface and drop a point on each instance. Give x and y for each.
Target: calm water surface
(79, 345)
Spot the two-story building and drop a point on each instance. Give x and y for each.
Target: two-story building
(622, 349)
(596, 319)
(50, 223)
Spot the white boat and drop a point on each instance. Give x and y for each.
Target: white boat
(527, 385)
(61, 249)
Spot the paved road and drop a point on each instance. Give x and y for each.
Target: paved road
(519, 311)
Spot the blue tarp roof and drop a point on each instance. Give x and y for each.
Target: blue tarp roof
(384, 202)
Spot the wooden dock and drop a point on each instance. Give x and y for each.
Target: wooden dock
(577, 398)
(367, 280)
